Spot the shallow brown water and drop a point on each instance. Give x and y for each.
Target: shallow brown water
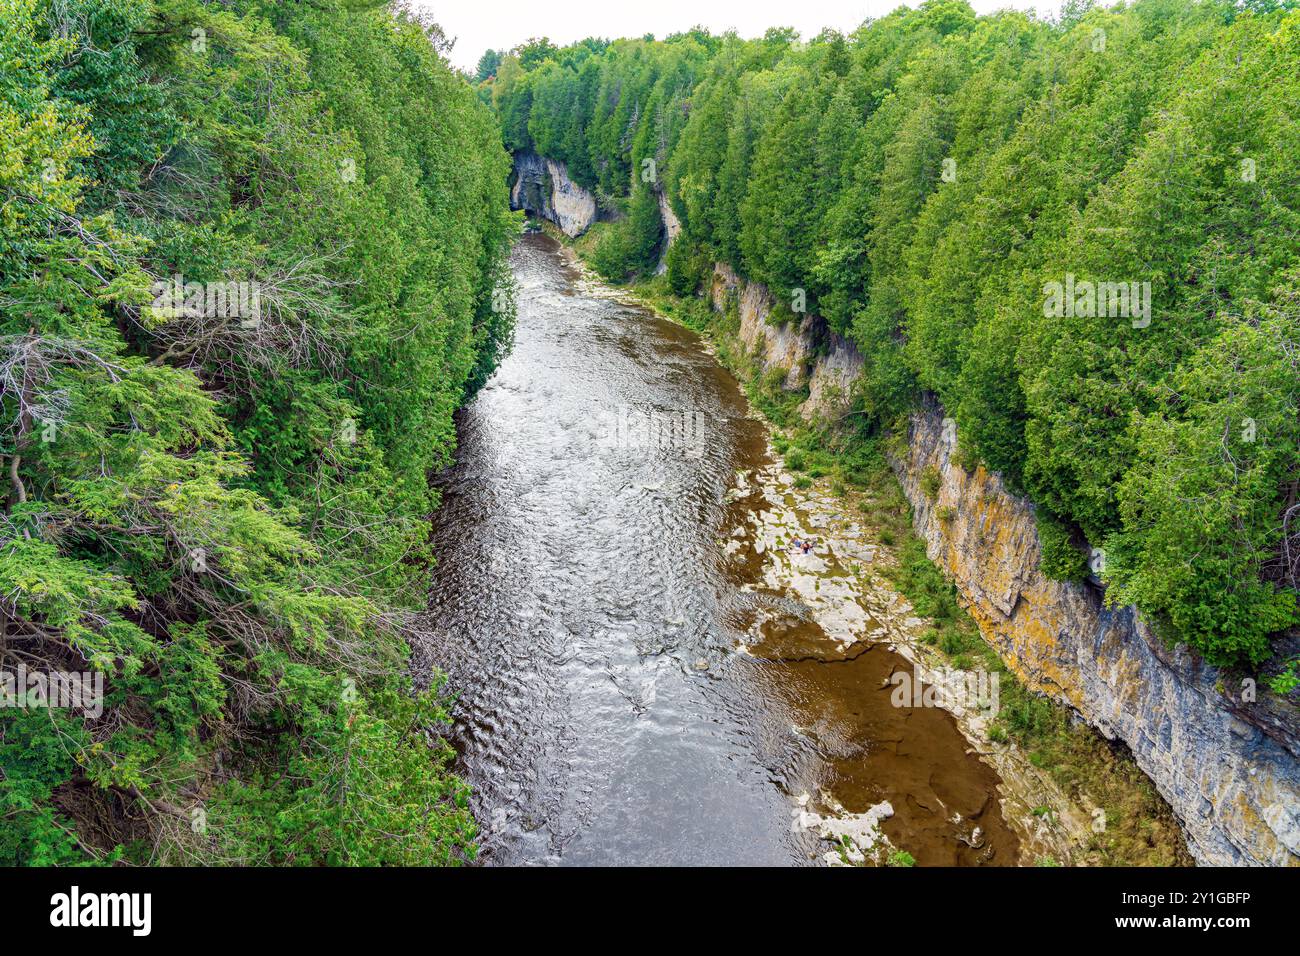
(627, 692)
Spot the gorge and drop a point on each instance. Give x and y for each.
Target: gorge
(871, 448)
(1221, 747)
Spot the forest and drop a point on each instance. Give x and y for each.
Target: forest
(1080, 235)
(252, 258)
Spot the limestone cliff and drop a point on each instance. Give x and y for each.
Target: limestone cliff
(672, 228)
(1230, 774)
(1230, 769)
(543, 187)
(805, 347)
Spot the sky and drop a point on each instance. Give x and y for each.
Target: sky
(479, 25)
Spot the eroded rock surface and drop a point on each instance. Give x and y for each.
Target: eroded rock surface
(543, 187)
(1235, 788)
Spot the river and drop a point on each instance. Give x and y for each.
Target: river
(631, 686)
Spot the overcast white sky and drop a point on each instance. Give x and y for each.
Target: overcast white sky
(481, 24)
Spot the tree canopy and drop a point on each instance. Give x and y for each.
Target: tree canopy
(223, 510)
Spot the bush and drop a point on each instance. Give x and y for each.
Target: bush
(612, 254)
(686, 269)
(931, 482)
(1061, 559)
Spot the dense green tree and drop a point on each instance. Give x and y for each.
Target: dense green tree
(487, 65)
(224, 514)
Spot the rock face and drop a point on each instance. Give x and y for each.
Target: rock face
(1230, 769)
(830, 386)
(1230, 774)
(542, 187)
(672, 228)
(788, 347)
(808, 351)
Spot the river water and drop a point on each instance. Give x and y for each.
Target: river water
(631, 688)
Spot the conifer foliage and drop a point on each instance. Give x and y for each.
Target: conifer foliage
(252, 257)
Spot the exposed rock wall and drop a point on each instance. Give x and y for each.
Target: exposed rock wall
(808, 350)
(1229, 769)
(542, 187)
(1230, 773)
(788, 347)
(672, 228)
(834, 373)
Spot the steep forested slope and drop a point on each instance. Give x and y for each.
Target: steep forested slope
(221, 509)
(936, 185)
